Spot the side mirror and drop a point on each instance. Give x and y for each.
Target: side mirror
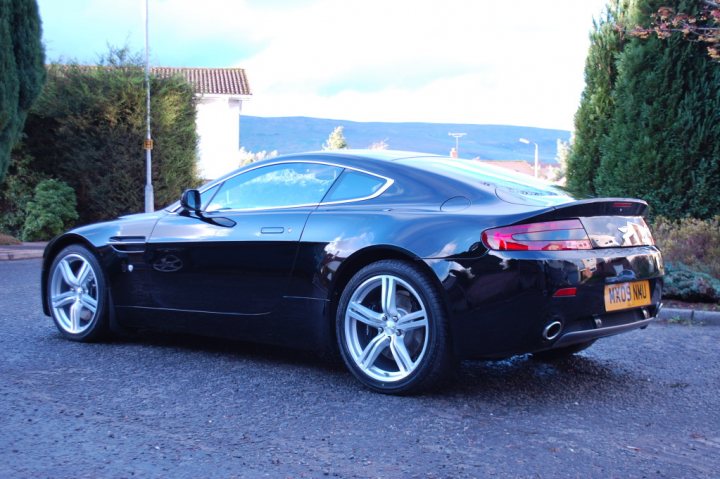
(190, 201)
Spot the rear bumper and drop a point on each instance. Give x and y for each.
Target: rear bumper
(500, 304)
(575, 337)
(585, 336)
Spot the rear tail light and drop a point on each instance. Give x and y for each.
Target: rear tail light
(565, 292)
(546, 236)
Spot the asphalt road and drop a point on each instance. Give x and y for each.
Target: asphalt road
(644, 404)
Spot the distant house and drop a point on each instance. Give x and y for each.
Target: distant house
(220, 93)
(519, 166)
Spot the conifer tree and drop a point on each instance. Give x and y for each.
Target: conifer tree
(592, 120)
(664, 144)
(22, 70)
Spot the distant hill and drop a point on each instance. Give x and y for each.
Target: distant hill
(489, 142)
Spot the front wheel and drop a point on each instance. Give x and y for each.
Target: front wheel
(392, 329)
(77, 295)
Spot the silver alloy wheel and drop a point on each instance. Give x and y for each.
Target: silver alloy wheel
(74, 294)
(386, 328)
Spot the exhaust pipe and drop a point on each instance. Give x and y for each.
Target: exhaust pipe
(552, 330)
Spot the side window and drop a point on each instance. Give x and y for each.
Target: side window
(355, 185)
(207, 195)
(274, 186)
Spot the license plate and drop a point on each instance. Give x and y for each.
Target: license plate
(627, 295)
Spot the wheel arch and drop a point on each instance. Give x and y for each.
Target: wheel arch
(51, 251)
(358, 260)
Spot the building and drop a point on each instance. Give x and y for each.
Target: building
(220, 93)
(546, 172)
(518, 166)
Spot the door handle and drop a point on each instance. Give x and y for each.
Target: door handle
(272, 230)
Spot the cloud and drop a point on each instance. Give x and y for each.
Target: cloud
(478, 61)
(456, 61)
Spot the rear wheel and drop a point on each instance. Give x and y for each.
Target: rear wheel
(562, 353)
(392, 329)
(77, 295)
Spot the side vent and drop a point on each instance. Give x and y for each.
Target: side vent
(128, 244)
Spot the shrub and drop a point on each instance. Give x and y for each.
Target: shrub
(7, 239)
(687, 285)
(690, 242)
(16, 192)
(50, 212)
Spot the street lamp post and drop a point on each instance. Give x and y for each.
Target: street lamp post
(457, 137)
(149, 194)
(527, 142)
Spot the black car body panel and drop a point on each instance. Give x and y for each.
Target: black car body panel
(511, 296)
(275, 275)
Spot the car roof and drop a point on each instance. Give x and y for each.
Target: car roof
(382, 155)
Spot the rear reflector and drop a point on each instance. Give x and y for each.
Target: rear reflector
(546, 236)
(564, 292)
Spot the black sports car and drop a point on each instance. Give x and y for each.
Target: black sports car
(401, 262)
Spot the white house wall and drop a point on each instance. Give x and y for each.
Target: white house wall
(218, 126)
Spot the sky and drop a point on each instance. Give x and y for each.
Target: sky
(504, 62)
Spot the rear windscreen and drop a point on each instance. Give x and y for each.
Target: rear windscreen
(510, 186)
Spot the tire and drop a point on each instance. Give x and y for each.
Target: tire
(562, 353)
(392, 329)
(77, 295)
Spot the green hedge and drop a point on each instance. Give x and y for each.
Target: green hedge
(87, 130)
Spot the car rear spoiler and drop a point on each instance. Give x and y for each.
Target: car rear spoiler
(594, 207)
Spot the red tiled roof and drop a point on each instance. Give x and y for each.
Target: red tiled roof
(219, 81)
(518, 166)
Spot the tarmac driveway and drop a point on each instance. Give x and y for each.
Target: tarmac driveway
(644, 404)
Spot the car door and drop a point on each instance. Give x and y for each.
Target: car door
(236, 257)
